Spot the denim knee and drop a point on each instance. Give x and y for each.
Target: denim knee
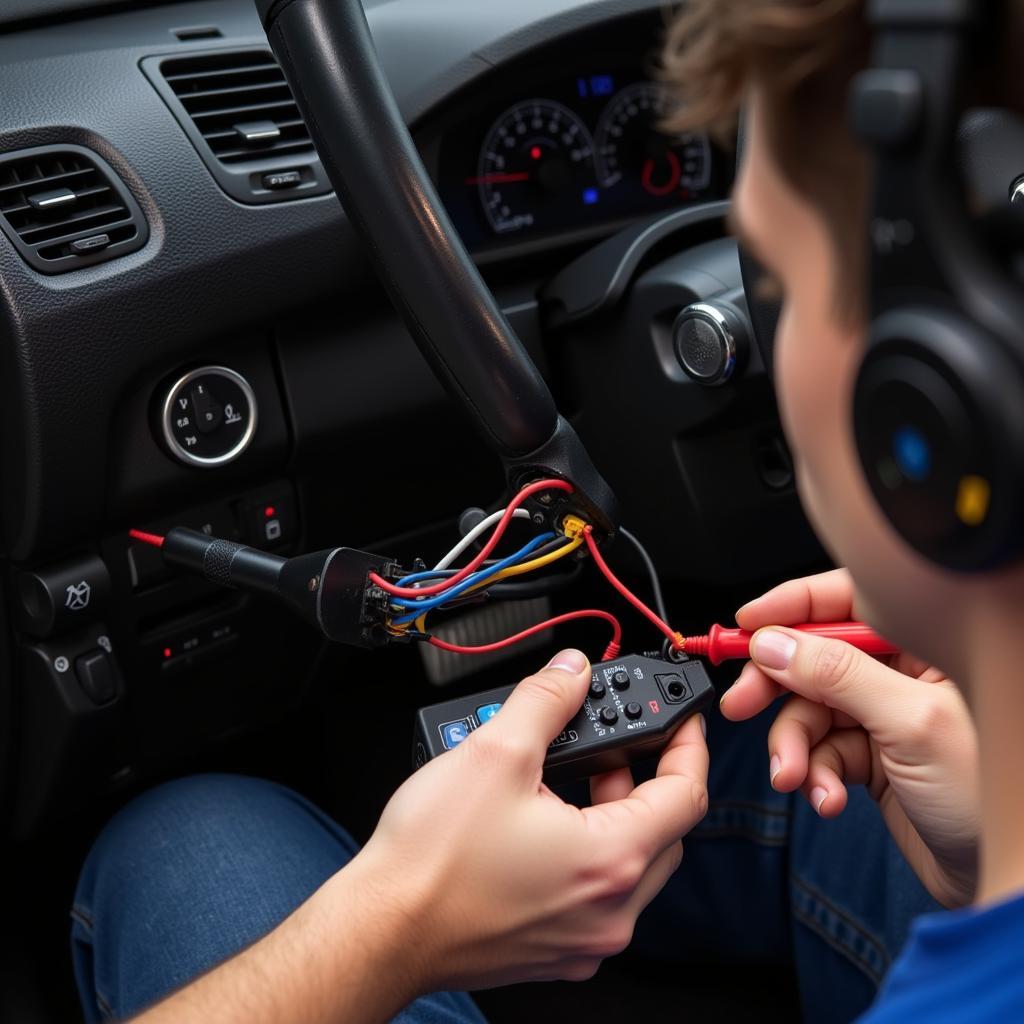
(187, 875)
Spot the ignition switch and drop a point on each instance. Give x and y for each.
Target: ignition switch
(710, 339)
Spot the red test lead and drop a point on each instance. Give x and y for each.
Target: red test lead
(722, 644)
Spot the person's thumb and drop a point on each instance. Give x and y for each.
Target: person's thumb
(538, 708)
(834, 673)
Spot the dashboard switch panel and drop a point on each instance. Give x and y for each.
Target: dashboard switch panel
(208, 416)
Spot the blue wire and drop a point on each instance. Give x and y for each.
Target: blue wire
(429, 574)
(424, 605)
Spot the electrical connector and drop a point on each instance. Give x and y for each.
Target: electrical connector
(573, 527)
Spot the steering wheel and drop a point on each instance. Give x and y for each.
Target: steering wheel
(327, 53)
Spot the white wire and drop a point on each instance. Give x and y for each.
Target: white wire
(480, 528)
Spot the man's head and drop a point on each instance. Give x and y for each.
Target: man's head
(801, 207)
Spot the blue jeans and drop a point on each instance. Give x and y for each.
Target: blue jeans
(196, 870)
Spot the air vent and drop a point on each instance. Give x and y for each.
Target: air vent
(64, 207)
(238, 110)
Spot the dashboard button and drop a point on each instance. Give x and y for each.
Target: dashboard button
(208, 416)
(62, 596)
(269, 521)
(621, 680)
(597, 690)
(608, 716)
(90, 244)
(96, 675)
(282, 179)
(633, 710)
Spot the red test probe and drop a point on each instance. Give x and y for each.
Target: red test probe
(721, 644)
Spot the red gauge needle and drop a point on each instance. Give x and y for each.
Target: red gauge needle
(499, 179)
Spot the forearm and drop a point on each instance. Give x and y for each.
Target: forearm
(344, 955)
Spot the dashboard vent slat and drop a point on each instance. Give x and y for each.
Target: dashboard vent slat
(238, 109)
(63, 207)
(220, 90)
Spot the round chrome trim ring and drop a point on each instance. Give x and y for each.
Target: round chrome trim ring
(165, 417)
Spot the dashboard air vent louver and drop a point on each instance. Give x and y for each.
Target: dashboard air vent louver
(239, 111)
(63, 207)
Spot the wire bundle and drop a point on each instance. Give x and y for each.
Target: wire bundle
(418, 594)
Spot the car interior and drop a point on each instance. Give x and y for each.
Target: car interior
(200, 327)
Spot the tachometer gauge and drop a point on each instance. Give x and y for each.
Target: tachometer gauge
(537, 158)
(632, 150)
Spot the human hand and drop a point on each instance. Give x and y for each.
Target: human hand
(901, 728)
(497, 879)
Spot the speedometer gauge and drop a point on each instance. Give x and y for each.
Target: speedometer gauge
(537, 158)
(632, 150)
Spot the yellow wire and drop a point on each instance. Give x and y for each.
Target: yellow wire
(537, 563)
(513, 570)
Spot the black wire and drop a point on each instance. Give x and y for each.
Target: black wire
(659, 598)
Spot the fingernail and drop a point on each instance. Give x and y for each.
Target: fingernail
(772, 649)
(774, 767)
(721, 700)
(818, 796)
(703, 726)
(571, 661)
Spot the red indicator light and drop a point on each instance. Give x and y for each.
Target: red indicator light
(535, 152)
(167, 652)
(653, 705)
(270, 512)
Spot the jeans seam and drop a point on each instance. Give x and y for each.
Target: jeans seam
(82, 916)
(104, 1005)
(751, 805)
(835, 941)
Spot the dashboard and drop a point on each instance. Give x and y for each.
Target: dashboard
(568, 145)
(538, 123)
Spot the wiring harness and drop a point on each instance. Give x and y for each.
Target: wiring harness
(414, 597)
(364, 599)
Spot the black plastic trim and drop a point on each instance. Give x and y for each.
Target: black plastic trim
(241, 181)
(599, 278)
(32, 252)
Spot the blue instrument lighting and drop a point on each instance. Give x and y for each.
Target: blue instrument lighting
(912, 452)
(590, 196)
(595, 85)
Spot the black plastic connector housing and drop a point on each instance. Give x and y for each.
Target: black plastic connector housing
(328, 589)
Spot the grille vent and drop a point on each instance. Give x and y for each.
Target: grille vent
(239, 111)
(63, 207)
(241, 104)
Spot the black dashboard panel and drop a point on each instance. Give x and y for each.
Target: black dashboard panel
(565, 143)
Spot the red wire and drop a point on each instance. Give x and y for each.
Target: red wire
(147, 538)
(610, 652)
(436, 588)
(676, 638)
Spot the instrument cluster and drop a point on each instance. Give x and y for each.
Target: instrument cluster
(576, 154)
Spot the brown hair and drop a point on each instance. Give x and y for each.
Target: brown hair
(802, 55)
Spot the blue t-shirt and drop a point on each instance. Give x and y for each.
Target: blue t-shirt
(963, 965)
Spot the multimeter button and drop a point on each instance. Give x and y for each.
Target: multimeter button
(487, 712)
(621, 680)
(453, 733)
(597, 690)
(608, 716)
(633, 710)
